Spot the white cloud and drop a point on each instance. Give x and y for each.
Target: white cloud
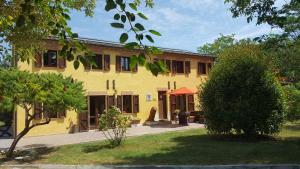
(197, 4)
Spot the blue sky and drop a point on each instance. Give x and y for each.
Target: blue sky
(184, 24)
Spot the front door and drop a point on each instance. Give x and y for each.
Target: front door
(97, 107)
(162, 105)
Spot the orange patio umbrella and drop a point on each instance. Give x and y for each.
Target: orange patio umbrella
(182, 91)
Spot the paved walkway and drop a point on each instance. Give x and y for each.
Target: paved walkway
(64, 139)
(242, 166)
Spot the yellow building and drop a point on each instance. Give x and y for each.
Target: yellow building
(113, 83)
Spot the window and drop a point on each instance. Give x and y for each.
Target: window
(177, 66)
(98, 62)
(128, 103)
(40, 112)
(125, 63)
(50, 58)
(201, 68)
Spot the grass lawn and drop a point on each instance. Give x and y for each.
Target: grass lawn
(182, 147)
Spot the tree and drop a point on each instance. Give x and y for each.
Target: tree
(52, 92)
(242, 96)
(26, 23)
(285, 17)
(218, 45)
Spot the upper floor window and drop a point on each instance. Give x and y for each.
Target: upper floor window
(181, 66)
(98, 61)
(50, 58)
(102, 62)
(123, 64)
(201, 68)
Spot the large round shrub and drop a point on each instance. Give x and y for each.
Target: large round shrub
(241, 95)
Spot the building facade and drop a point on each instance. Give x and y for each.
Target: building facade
(112, 82)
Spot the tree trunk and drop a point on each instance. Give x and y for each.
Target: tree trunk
(15, 142)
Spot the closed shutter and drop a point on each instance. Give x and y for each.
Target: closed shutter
(37, 111)
(191, 104)
(61, 62)
(38, 60)
(110, 101)
(168, 65)
(174, 66)
(119, 103)
(136, 105)
(106, 62)
(118, 63)
(172, 105)
(187, 67)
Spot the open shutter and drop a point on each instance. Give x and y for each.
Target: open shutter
(106, 62)
(136, 104)
(110, 101)
(187, 67)
(168, 65)
(37, 111)
(38, 60)
(191, 104)
(172, 105)
(118, 63)
(119, 103)
(174, 66)
(61, 62)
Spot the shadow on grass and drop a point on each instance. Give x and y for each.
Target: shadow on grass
(95, 148)
(28, 156)
(212, 149)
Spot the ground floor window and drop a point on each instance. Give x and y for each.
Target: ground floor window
(128, 103)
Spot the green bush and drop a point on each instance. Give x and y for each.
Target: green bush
(113, 125)
(241, 95)
(293, 101)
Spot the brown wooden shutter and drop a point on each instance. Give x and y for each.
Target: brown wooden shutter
(110, 101)
(191, 104)
(118, 63)
(106, 62)
(38, 60)
(61, 63)
(37, 111)
(174, 66)
(168, 65)
(187, 67)
(136, 104)
(119, 103)
(172, 105)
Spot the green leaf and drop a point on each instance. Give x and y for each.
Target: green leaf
(123, 18)
(154, 32)
(20, 21)
(76, 64)
(117, 16)
(149, 38)
(110, 4)
(123, 38)
(139, 26)
(131, 45)
(142, 16)
(132, 17)
(133, 61)
(142, 59)
(32, 18)
(133, 6)
(117, 25)
(75, 35)
(54, 31)
(51, 23)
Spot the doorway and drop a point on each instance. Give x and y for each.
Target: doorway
(96, 108)
(162, 105)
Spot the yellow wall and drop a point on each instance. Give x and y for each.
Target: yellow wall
(140, 83)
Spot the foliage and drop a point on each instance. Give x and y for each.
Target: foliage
(26, 24)
(218, 45)
(114, 126)
(285, 16)
(293, 101)
(241, 95)
(24, 89)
